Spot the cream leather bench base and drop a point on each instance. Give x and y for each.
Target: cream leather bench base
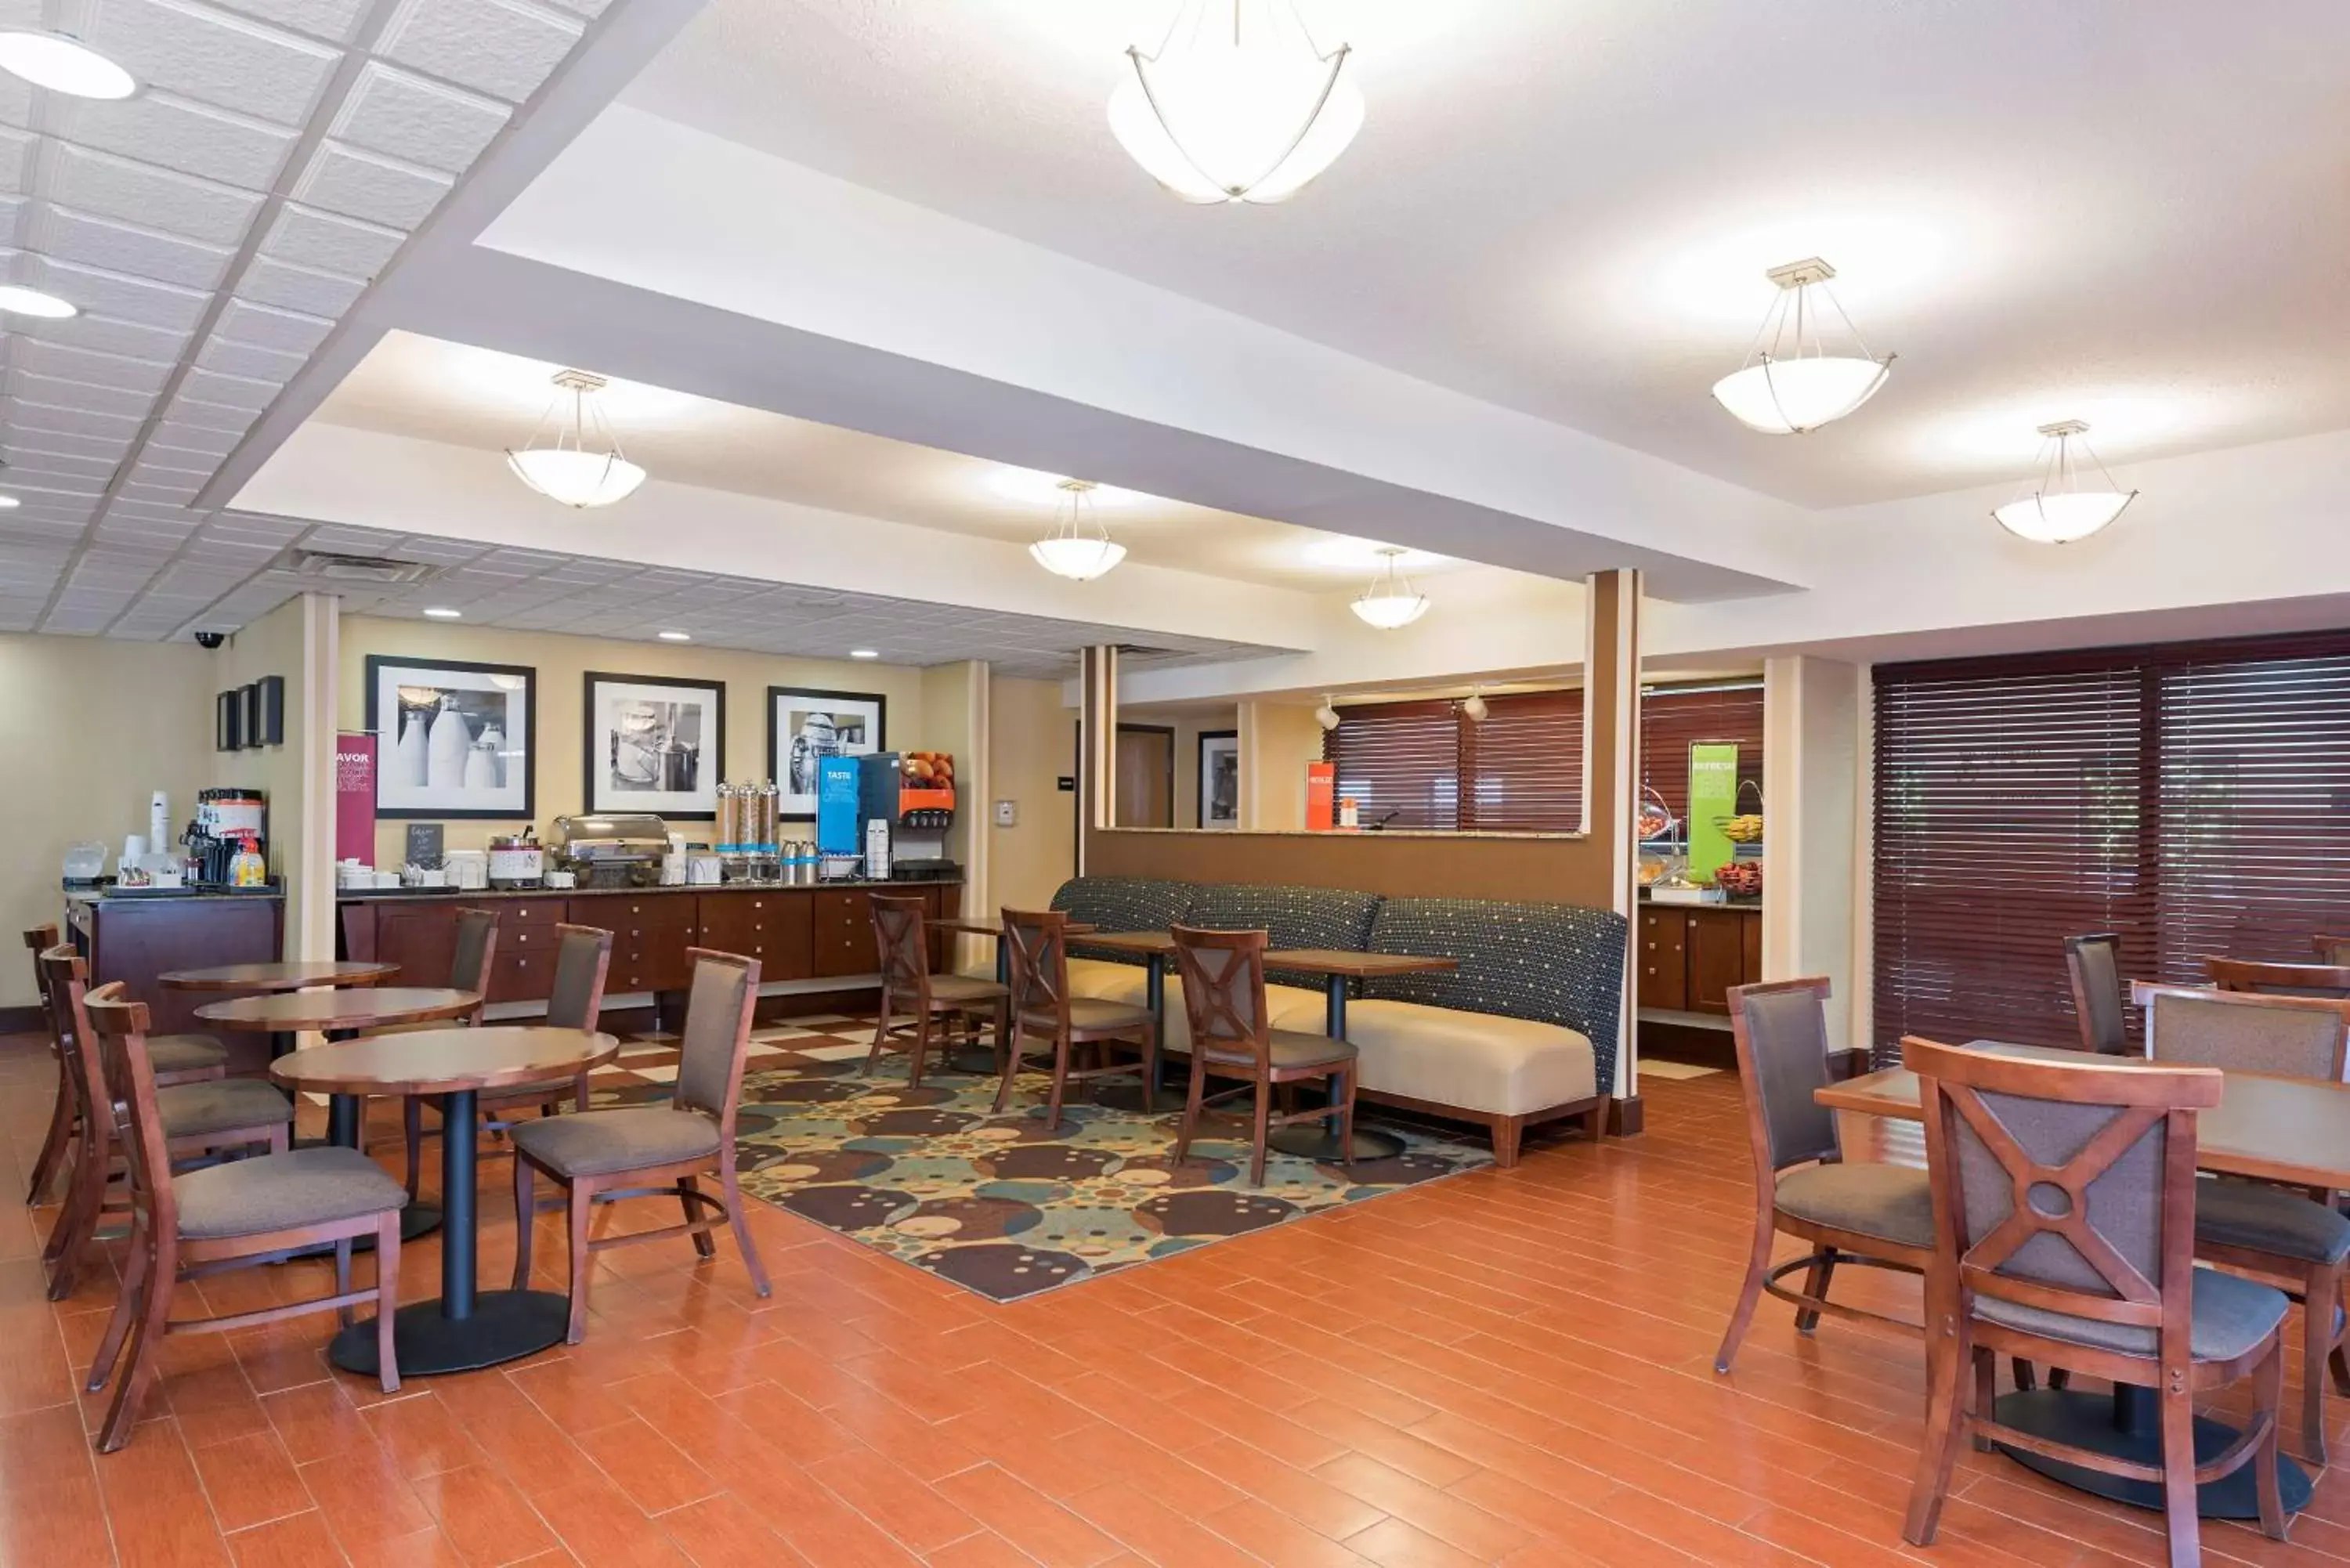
(1507, 1072)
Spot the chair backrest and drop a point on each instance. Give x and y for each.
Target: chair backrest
(477, 942)
(38, 940)
(115, 1028)
(717, 1034)
(2246, 1032)
(904, 946)
(2095, 964)
(2064, 1187)
(1224, 990)
(1036, 944)
(582, 956)
(1780, 1032)
(2279, 979)
(64, 974)
(2331, 949)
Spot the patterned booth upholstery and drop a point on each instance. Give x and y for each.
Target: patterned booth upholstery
(1116, 904)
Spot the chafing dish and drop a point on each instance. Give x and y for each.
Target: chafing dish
(616, 850)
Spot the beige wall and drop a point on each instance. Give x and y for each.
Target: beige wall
(1032, 742)
(283, 643)
(92, 728)
(562, 663)
(1277, 740)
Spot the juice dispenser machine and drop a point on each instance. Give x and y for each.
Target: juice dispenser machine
(914, 792)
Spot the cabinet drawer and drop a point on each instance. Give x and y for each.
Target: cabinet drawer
(535, 913)
(522, 974)
(843, 932)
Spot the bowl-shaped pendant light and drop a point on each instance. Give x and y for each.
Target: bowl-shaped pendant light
(1079, 548)
(1791, 382)
(1237, 103)
(582, 466)
(1391, 602)
(2061, 508)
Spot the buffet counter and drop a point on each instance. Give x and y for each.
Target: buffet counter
(134, 937)
(800, 934)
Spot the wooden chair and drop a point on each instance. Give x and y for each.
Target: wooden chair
(2278, 1233)
(2064, 1233)
(201, 1116)
(2279, 979)
(1042, 1008)
(575, 999)
(226, 1217)
(654, 1151)
(916, 997)
(1878, 1216)
(2331, 949)
(2093, 962)
(1232, 1036)
(469, 970)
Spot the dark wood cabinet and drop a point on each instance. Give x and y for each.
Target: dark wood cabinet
(420, 938)
(651, 933)
(1663, 959)
(777, 929)
(1688, 957)
(1717, 957)
(134, 940)
(844, 931)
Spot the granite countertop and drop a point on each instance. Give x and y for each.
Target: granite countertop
(420, 895)
(172, 895)
(1753, 901)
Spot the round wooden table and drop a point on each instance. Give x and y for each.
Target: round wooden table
(464, 1329)
(297, 974)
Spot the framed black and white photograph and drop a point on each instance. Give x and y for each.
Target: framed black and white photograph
(228, 721)
(804, 727)
(249, 695)
(656, 744)
(273, 711)
(1220, 778)
(453, 739)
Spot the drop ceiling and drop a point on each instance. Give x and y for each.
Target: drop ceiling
(421, 387)
(2123, 211)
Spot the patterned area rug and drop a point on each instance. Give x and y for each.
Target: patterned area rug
(1003, 1205)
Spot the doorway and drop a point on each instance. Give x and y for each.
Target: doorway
(1146, 776)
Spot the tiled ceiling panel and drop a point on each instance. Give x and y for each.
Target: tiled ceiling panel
(212, 229)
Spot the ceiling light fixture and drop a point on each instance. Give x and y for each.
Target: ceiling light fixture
(17, 300)
(441, 612)
(570, 471)
(1391, 602)
(1790, 383)
(2060, 509)
(1475, 706)
(63, 63)
(674, 636)
(1237, 104)
(1080, 548)
(1327, 715)
(9, 502)
(864, 653)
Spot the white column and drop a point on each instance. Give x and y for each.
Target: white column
(1611, 728)
(1814, 804)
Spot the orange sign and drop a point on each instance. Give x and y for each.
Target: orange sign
(1321, 795)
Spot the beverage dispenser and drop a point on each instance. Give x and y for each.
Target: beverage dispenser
(914, 792)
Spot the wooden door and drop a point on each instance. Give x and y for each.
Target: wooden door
(1717, 957)
(1146, 776)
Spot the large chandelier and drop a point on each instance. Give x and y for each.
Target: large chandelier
(1391, 601)
(1790, 383)
(1080, 548)
(1237, 103)
(572, 471)
(2060, 509)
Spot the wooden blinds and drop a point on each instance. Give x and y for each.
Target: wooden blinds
(1671, 720)
(1426, 765)
(2193, 798)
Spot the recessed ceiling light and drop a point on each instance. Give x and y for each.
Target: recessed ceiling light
(9, 504)
(674, 636)
(64, 65)
(24, 301)
(864, 653)
(443, 612)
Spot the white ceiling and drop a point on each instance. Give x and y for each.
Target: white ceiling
(463, 396)
(2126, 211)
(214, 228)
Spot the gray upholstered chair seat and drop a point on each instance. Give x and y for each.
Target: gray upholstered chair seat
(1892, 1202)
(191, 1109)
(280, 1191)
(1289, 1048)
(167, 1053)
(2232, 1315)
(960, 991)
(2231, 1213)
(625, 1139)
(1091, 1012)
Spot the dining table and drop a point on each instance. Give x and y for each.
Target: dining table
(268, 979)
(2267, 1127)
(972, 1060)
(464, 1328)
(1339, 970)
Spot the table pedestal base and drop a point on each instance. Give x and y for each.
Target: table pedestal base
(1315, 1140)
(505, 1325)
(2123, 1424)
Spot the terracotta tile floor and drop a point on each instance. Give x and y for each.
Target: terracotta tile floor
(1504, 1367)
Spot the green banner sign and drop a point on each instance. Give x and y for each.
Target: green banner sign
(1712, 801)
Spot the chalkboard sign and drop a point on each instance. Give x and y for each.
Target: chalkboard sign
(424, 845)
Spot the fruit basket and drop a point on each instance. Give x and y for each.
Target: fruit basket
(1740, 878)
(1746, 827)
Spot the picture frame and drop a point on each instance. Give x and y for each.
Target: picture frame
(228, 721)
(482, 767)
(1217, 804)
(652, 744)
(845, 723)
(273, 709)
(249, 696)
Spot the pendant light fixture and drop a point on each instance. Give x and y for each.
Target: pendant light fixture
(2062, 509)
(571, 470)
(1080, 548)
(1237, 103)
(1790, 382)
(63, 63)
(1391, 602)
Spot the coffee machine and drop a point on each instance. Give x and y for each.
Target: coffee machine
(225, 818)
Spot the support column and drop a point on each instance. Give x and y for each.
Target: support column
(1611, 743)
(1812, 727)
(955, 720)
(1096, 746)
(310, 860)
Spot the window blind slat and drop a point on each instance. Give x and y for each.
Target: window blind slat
(1426, 765)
